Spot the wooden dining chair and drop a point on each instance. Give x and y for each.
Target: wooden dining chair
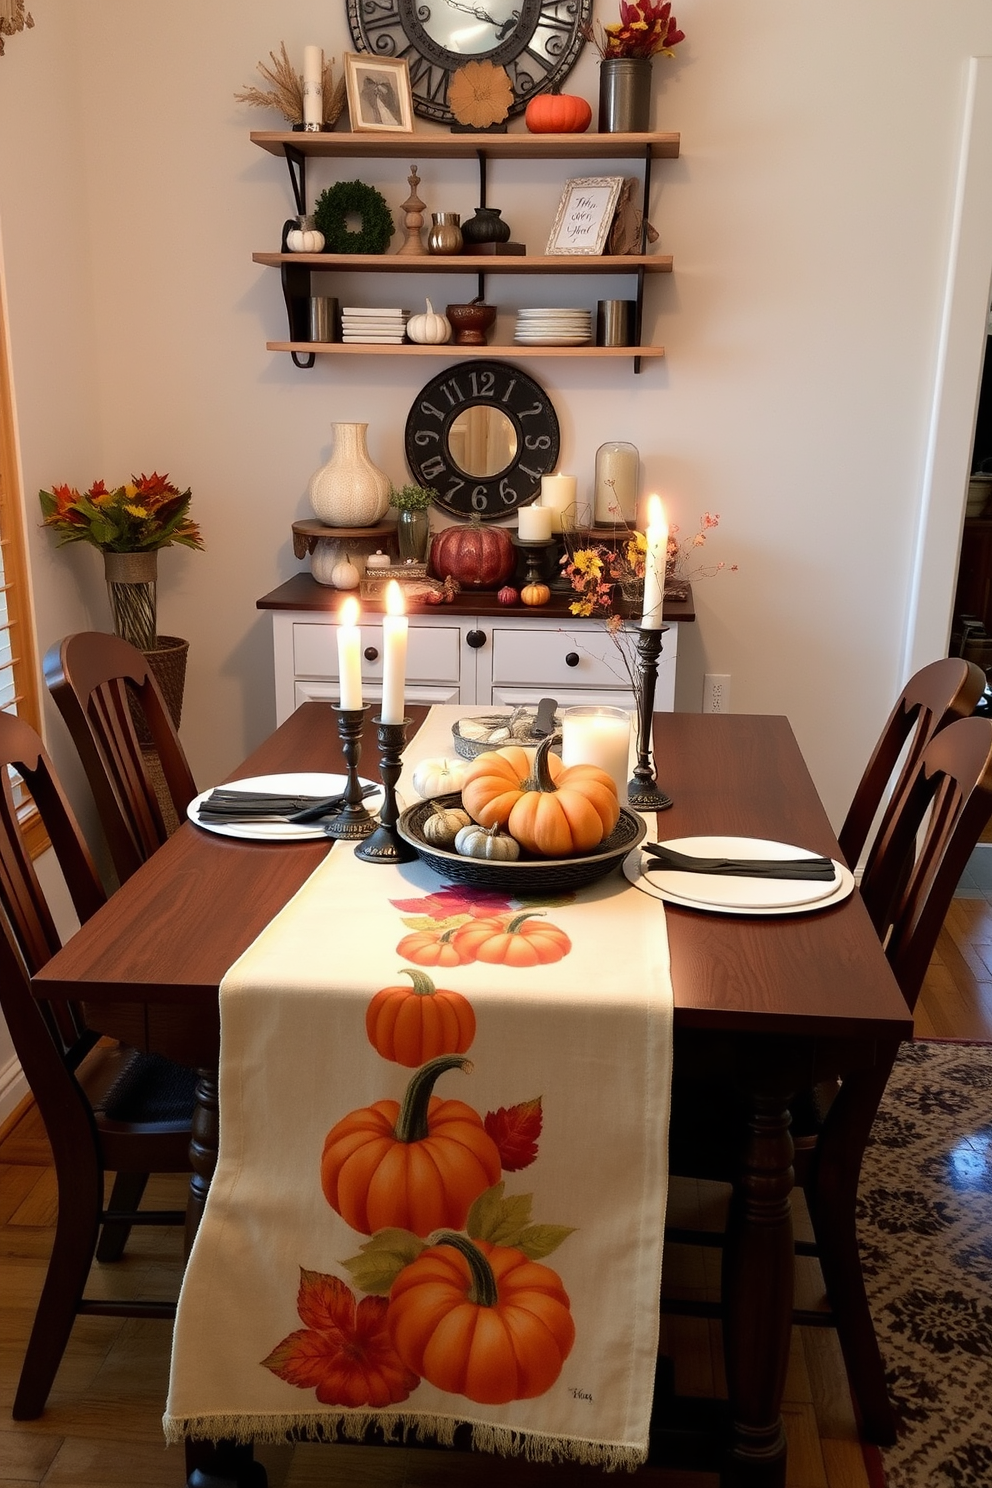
(932, 698)
(93, 678)
(105, 1108)
(943, 808)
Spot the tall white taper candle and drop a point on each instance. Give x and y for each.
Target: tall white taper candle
(350, 655)
(654, 571)
(394, 640)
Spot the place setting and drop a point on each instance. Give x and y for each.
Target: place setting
(737, 875)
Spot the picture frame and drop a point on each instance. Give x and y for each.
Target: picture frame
(380, 99)
(585, 214)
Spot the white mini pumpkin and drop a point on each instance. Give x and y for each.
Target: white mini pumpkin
(483, 842)
(344, 574)
(305, 239)
(438, 777)
(430, 329)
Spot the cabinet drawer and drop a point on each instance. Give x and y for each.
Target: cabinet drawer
(432, 654)
(557, 657)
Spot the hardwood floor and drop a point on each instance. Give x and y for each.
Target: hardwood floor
(103, 1422)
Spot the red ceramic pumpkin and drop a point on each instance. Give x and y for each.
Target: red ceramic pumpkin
(508, 595)
(477, 557)
(557, 113)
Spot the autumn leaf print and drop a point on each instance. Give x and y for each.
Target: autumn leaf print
(344, 1352)
(515, 1130)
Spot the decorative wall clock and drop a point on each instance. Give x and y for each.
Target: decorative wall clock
(482, 434)
(536, 41)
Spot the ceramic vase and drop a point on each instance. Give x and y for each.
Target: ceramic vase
(131, 587)
(349, 491)
(625, 95)
(486, 227)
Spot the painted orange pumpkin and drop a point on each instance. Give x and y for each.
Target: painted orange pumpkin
(557, 113)
(417, 1166)
(481, 1320)
(512, 940)
(550, 810)
(430, 948)
(413, 1024)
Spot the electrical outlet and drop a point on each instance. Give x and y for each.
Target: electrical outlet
(716, 693)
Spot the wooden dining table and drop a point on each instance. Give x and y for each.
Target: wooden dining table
(767, 1004)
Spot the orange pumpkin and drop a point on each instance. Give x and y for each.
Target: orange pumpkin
(417, 1166)
(430, 948)
(557, 113)
(413, 1024)
(535, 594)
(481, 1320)
(550, 810)
(512, 940)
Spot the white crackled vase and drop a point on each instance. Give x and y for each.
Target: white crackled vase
(349, 491)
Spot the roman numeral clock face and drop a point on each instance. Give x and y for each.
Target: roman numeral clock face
(536, 41)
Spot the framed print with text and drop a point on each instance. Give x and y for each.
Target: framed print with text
(585, 214)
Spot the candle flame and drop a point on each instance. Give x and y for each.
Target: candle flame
(394, 599)
(349, 612)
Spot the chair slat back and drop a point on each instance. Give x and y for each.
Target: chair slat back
(93, 678)
(934, 697)
(917, 859)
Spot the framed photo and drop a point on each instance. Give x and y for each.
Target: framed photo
(379, 97)
(584, 214)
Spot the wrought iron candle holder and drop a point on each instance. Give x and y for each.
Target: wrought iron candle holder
(642, 789)
(385, 845)
(354, 821)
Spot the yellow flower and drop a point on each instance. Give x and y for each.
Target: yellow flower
(135, 511)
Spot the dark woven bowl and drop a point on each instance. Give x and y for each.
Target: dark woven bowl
(527, 876)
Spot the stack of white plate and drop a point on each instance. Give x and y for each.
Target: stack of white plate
(379, 327)
(551, 327)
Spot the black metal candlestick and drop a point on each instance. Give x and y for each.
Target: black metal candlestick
(385, 845)
(354, 820)
(642, 789)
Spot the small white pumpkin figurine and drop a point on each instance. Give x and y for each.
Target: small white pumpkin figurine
(344, 574)
(439, 777)
(430, 329)
(305, 238)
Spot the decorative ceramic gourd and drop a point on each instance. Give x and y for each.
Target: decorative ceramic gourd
(443, 825)
(438, 777)
(557, 113)
(486, 842)
(344, 574)
(477, 557)
(535, 594)
(349, 491)
(507, 595)
(429, 329)
(305, 238)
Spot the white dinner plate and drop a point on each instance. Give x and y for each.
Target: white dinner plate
(730, 895)
(294, 785)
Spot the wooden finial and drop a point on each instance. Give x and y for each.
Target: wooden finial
(413, 221)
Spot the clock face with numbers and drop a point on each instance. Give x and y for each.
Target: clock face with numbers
(536, 41)
(482, 434)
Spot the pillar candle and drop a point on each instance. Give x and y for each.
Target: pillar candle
(654, 570)
(350, 655)
(534, 524)
(598, 736)
(615, 499)
(557, 494)
(394, 638)
(313, 89)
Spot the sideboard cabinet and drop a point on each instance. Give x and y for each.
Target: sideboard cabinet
(474, 651)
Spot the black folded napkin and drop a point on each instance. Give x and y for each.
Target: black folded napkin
(231, 805)
(808, 868)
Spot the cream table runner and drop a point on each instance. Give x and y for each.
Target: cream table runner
(520, 1112)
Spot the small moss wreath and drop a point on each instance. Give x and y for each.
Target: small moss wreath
(333, 207)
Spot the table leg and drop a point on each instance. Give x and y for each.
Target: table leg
(758, 1262)
(202, 1149)
(222, 1465)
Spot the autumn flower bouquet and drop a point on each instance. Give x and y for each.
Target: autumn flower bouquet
(128, 524)
(645, 29)
(597, 571)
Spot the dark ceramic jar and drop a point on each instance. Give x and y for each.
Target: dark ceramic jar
(486, 227)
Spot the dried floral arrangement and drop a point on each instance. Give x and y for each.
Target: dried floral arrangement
(646, 28)
(13, 18)
(597, 570)
(286, 93)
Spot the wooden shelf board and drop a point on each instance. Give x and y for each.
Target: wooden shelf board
(394, 263)
(441, 146)
(522, 353)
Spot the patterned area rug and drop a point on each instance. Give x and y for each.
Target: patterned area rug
(925, 1226)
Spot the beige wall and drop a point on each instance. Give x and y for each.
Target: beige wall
(810, 220)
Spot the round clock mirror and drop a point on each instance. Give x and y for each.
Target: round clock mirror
(536, 41)
(482, 434)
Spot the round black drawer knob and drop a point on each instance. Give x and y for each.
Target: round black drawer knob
(476, 638)
(572, 659)
(371, 654)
